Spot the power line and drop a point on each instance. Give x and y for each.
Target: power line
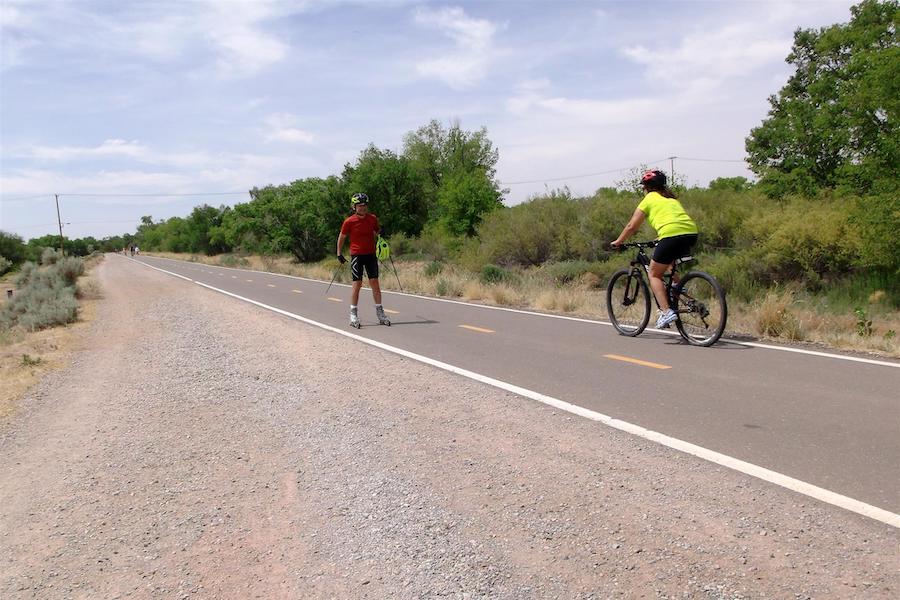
(16, 198)
(728, 160)
(653, 162)
(129, 195)
(163, 194)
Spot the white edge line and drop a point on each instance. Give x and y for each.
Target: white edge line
(785, 481)
(868, 361)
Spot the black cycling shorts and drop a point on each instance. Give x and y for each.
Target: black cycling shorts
(670, 248)
(358, 262)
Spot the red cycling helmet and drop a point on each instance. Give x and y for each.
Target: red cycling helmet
(654, 178)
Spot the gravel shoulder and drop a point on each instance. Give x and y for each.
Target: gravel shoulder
(199, 447)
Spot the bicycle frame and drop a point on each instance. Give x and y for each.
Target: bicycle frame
(641, 259)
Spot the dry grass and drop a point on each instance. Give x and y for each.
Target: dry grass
(775, 317)
(26, 356)
(779, 316)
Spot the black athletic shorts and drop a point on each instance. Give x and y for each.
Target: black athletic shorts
(358, 262)
(674, 247)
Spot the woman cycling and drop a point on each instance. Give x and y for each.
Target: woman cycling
(676, 230)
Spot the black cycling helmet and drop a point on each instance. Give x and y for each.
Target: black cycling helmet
(358, 199)
(654, 178)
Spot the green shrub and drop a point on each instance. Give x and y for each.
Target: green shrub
(25, 273)
(49, 256)
(233, 261)
(434, 268)
(46, 297)
(566, 272)
(810, 241)
(863, 322)
(493, 274)
(740, 274)
(877, 221)
(70, 268)
(436, 244)
(5, 265)
(401, 245)
(29, 361)
(12, 248)
(529, 234)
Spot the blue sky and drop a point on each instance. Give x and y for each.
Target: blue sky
(214, 96)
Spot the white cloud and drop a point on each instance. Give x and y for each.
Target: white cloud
(280, 127)
(108, 148)
(533, 98)
(14, 25)
(234, 31)
(469, 62)
(713, 56)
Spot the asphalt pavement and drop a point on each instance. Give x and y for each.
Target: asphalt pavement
(832, 421)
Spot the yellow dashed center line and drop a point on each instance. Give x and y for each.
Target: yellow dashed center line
(391, 312)
(234, 276)
(271, 285)
(478, 329)
(249, 280)
(335, 299)
(636, 361)
(297, 291)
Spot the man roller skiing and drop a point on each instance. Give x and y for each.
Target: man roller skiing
(362, 229)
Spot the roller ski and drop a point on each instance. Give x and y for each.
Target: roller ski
(354, 319)
(382, 318)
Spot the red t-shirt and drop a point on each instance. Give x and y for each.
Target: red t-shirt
(361, 231)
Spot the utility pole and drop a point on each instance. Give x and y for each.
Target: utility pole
(62, 250)
(672, 168)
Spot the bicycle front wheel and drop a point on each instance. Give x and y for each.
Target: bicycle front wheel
(702, 311)
(628, 302)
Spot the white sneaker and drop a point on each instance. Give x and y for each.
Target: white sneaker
(665, 319)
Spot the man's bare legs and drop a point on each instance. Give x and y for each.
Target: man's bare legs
(357, 286)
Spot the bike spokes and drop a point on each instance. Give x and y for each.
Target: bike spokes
(701, 309)
(628, 303)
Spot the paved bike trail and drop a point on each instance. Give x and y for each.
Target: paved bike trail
(827, 421)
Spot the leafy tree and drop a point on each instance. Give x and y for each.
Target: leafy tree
(301, 218)
(834, 125)
(198, 226)
(394, 187)
(463, 200)
(12, 248)
(731, 184)
(460, 160)
(35, 246)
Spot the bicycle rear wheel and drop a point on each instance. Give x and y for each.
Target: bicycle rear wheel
(628, 302)
(701, 307)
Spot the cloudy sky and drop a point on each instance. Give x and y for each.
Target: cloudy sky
(135, 108)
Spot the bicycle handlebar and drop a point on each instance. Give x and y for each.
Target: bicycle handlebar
(650, 244)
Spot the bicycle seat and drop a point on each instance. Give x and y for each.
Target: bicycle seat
(683, 259)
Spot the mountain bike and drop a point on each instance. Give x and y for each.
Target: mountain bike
(696, 297)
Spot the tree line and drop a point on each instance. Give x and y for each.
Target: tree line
(445, 178)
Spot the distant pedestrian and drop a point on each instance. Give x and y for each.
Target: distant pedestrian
(362, 228)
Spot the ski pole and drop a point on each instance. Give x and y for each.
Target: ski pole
(333, 277)
(395, 273)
